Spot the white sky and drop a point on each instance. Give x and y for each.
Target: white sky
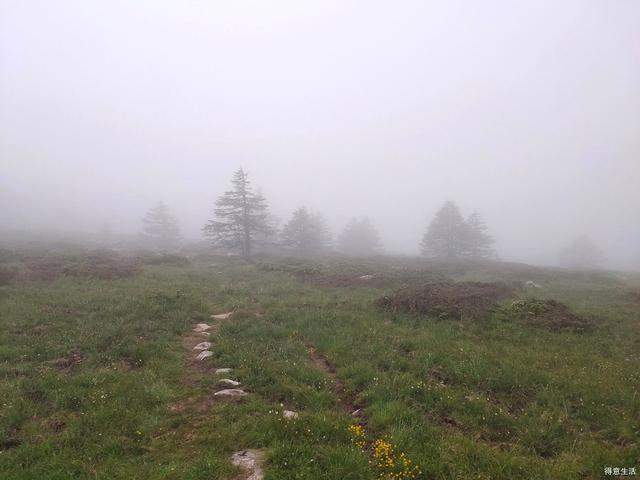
(527, 111)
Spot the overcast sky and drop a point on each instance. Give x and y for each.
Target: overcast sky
(526, 111)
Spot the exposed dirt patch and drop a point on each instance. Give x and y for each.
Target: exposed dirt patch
(102, 265)
(68, 363)
(8, 443)
(56, 425)
(447, 300)
(549, 314)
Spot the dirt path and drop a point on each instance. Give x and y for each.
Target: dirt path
(346, 401)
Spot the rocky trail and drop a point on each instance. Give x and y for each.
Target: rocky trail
(199, 343)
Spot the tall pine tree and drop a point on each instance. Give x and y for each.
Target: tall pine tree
(306, 232)
(240, 216)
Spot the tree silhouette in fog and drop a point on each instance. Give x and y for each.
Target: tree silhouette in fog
(305, 232)
(240, 215)
(359, 237)
(446, 235)
(450, 237)
(477, 243)
(160, 227)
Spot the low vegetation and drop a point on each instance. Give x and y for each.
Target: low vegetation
(96, 381)
(447, 300)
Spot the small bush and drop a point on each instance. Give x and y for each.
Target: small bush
(549, 314)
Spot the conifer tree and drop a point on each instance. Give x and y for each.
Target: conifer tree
(306, 232)
(478, 243)
(446, 235)
(240, 216)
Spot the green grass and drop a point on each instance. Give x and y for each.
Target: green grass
(492, 399)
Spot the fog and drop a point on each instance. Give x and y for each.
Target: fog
(528, 112)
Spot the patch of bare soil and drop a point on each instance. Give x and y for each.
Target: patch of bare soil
(9, 442)
(68, 363)
(102, 265)
(447, 300)
(549, 314)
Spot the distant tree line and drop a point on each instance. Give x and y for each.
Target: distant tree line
(241, 222)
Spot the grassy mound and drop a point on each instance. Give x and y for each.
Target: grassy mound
(445, 299)
(549, 314)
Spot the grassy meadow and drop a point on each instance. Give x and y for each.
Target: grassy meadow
(96, 381)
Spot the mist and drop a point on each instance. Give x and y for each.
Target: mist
(528, 112)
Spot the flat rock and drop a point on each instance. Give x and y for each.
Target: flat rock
(228, 381)
(201, 327)
(231, 392)
(204, 354)
(531, 284)
(202, 346)
(366, 277)
(222, 316)
(251, 462)
(290, 414)
(223, 370)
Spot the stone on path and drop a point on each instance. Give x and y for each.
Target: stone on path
(531, 284)
(228, 381)
(290, 414)
(201, 327)
(250, 461)
(222, 316)
(204, 354)
(230, 392)
(366, 277)
(223, 370)
(202, 346)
